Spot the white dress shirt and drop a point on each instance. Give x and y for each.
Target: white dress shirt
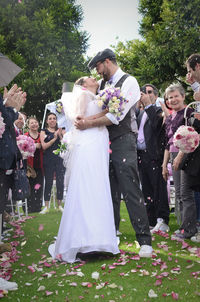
(131, 92)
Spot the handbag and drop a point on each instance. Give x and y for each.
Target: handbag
(21, 188)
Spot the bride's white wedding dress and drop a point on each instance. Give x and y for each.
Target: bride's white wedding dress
(87, 223)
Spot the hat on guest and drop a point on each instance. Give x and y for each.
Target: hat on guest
(100, 57)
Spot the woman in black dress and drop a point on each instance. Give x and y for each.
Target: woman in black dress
(53, 165)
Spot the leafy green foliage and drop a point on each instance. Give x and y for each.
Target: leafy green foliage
(171, 33)
(43, 38)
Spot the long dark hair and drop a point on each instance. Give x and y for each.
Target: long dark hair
(51, 113)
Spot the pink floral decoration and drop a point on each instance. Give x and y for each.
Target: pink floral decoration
(2, 126)
(26, 146)
(186, 139)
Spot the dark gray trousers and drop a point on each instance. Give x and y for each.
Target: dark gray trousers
(185, 199)
(124, 178)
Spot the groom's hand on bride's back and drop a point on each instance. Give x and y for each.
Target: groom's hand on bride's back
(80, 123)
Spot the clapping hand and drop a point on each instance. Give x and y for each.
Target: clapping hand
(15, 97)
(58, 133)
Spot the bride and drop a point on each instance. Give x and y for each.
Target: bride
(87, 223)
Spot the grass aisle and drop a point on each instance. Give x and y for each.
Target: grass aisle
(172, 274)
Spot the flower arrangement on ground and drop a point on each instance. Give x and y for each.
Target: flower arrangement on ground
(186, 139)
(2, 126)
(112, 99)
(26, 146)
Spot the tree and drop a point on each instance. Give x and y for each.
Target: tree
(42, 37)
(170, 29)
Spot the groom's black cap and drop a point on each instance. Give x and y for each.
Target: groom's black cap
(100, 57)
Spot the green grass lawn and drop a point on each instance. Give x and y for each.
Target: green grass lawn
(172, 274)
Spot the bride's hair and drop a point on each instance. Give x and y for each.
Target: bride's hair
(80, 81)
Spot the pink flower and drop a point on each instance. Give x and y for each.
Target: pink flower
(2, 126)
(37, 186)
(26, 146)
(186, 139)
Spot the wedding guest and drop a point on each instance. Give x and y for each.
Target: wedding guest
(166, 112)
(50, 139)
(35, 168)
(193, 78)
(150, 156)
(10, 104)
(193, 75)
(123, 136)
(185, 206)
(19, 124)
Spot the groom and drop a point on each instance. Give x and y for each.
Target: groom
(123, 136)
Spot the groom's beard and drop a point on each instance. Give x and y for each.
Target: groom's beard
(106, 77)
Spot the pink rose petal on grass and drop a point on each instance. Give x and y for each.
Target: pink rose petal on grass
(47, 264)
(137, 257)
(41, 227)
(73, 284)
(48, 293)
(31, 268)
(112, 267)
(158, 282)
(174, 296)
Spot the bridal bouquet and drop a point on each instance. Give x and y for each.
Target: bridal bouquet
(2, 126)
(112, 99)
(62, 148)
(59, 107)
(26, 146)
(186, 139)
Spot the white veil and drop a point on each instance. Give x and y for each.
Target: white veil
(70, 102)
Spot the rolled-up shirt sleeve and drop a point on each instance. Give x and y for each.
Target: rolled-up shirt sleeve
(131, 92)
(195, 86)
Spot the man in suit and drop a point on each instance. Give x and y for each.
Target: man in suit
(9, 107)
(150, 153)
(124, 175)
(20, 123)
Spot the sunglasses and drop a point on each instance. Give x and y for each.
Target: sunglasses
(150, 91)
